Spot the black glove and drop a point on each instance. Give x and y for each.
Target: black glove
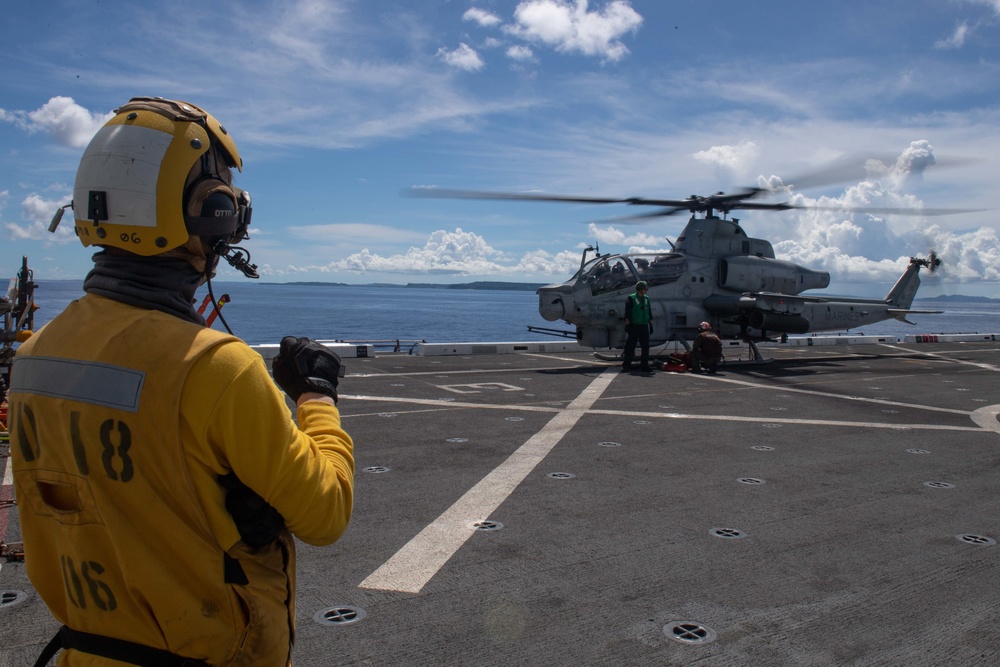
(303, 365)
(650, 327)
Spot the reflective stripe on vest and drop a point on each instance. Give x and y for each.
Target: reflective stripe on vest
(87, 382)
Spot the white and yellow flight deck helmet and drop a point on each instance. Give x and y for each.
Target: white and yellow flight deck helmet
(156, 174)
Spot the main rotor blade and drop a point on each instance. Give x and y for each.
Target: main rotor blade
(721, 202)
(891, 211)
(859, 167)
(444, 193)
(639, 218)
(854, 167)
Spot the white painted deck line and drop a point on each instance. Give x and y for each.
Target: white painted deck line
(421, 558)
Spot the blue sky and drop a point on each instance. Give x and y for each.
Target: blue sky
(338, 106)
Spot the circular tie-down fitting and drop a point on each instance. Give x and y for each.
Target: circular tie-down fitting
(376, 469)
(457, 440)
(9, 598)
(689, 632)
(608, 443)
(339, 615)
(980, 540)
(762, 448)
(727, 533)
(561, 475)
(939, 485)
(750, 480)
(487, 525)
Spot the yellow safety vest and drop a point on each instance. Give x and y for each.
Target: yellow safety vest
(116, 541)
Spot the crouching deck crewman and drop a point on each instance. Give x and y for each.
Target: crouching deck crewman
(706, 351)
(158, 471)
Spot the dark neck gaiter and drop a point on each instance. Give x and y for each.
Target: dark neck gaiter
(155, 283)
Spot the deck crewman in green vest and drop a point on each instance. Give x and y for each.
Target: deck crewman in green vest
(638, 326)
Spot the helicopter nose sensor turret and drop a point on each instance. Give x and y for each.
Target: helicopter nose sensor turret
(554, 302)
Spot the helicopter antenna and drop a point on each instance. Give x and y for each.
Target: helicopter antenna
(596, 248)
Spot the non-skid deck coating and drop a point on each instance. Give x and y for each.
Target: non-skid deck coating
(834, 507)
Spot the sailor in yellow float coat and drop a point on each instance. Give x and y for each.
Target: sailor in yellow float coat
(126, 419)
(117, 450)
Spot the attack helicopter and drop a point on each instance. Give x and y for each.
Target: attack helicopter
(715, 272)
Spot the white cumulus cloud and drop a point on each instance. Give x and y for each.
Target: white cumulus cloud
(571, 27)
(38, 213)
(69, 123)
(613, 236)
(459, 253)
(734, 159)
(520, 52)
(463, 57)
(856, 246)
(482, 17)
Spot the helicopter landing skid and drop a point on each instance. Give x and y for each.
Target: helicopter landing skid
(755, 356)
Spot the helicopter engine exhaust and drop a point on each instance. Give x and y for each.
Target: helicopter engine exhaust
(763, 274)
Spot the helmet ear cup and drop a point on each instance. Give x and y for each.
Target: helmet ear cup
(211, 208)
(210, 198)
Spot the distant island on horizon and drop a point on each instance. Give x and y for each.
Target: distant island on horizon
(957, 297)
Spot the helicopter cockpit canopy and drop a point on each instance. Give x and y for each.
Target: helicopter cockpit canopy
(617, 272)
(609, 274)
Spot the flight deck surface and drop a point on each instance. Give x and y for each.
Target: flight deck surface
(833, 507)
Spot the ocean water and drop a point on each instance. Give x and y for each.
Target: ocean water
(264, 312)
